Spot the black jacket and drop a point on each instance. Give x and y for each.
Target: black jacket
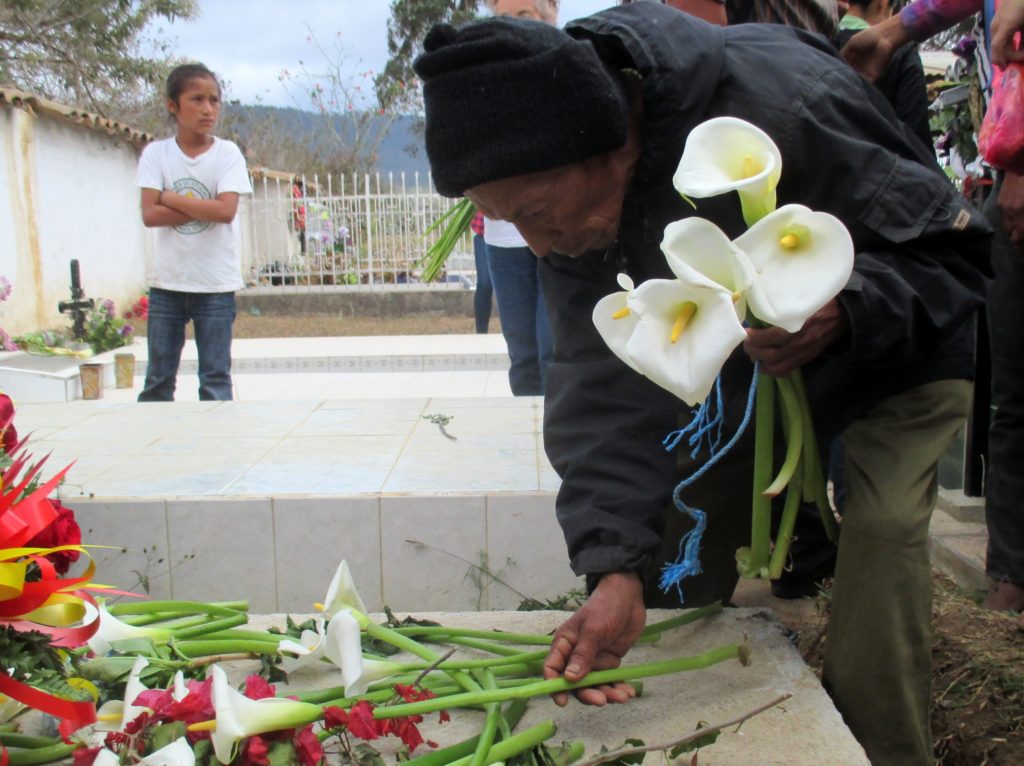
(918, 276)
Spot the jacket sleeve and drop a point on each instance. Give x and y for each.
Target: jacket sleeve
(603, 427)
(921, 249)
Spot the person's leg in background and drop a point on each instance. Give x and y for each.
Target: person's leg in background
(545, 341)
(165, 337)
(213, 315)
(483, 297)
(878, 650)
(1004, 488)
(514, 277)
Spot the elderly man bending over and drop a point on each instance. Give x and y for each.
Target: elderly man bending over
(584, 171)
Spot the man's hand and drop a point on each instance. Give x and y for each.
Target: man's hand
(1009, 20)
(870, 52)
(781, 352)
(597, 637)
(1011, 205)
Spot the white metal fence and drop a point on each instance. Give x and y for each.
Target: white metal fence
(355, 232)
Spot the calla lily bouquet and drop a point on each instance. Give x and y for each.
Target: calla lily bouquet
(679, 332)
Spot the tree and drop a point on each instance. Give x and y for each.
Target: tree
(410, 20)
(86, 52)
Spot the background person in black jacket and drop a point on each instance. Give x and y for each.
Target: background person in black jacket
(585, 174)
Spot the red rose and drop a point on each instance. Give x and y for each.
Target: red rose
(9, 434)
(257, 688)
(308, 747)
(63, 530)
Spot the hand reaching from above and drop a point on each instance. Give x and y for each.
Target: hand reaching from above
(870, 52)
(597, 637)
(1009, 20)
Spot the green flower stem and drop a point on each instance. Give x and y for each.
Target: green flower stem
(11, 739)
(484, 646)
(239, 618)
(440, 632)
(794, 437)
(335, 696)
(170, 608)
(764, 434)
(246, 635)
(510, 665)
(490, 729)
(555, 685)
(780, 553)
(30, 756)
(384, 633)
(514, 745)
(655, 629)
(513, 714)
(167, 621)
(814, 477)
(201, 648)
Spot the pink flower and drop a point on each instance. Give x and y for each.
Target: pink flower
(5, 289)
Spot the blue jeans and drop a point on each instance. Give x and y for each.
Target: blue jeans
(212, 315)
(484, 294)
(524, 319)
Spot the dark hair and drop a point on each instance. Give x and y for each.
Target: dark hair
(181, 75)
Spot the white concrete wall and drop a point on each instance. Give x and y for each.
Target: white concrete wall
(65, 192)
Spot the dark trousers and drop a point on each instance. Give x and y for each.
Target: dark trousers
(1004, 490)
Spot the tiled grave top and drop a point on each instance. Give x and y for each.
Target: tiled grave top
(303, 447)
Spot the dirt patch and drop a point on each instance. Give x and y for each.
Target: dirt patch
(977, 675)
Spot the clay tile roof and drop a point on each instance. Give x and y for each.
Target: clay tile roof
(39, 105)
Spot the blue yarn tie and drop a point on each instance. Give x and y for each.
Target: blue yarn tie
(709, 417)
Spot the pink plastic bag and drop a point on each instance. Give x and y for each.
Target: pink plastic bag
(1001, 138)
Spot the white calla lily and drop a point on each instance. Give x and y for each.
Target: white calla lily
(728, 154)
(180, 688)
(342, 593)
(308, 650)
(112, 629)
(802, 260)
(178, 753)
(615, 322)
(114, 715)
(344, 648)
(239, 717)
(685, 333)
(697, 249)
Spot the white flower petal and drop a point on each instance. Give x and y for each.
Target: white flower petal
(688, 367)
(106, 757)
(180, 690)
(239, 717)
(697, 250)
(112, 629)
(792, 283)
(178, 753)
(308, 650)
(342, 593)
(728, 154)
(615, 332)
(344, 648)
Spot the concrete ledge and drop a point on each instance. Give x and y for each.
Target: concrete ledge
(962, 507)
(958, 549)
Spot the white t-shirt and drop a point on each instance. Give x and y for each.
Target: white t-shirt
(198, 256)
(502, 234)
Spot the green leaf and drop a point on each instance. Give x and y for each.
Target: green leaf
(165, 734)
(688, 747)
(627, 760)
(282, 753)
(365, 755)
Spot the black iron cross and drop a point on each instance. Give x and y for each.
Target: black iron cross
(78, 304)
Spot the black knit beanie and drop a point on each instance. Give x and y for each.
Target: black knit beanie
(508, 96)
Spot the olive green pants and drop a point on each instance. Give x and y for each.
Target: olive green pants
(878, 650)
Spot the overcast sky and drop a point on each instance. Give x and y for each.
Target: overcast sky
(248, 45)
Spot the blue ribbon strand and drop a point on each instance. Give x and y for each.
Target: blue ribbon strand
(708, 418)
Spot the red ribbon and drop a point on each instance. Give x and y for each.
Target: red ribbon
(74, 715)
